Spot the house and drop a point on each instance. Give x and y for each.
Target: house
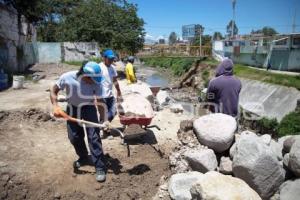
(281, 52)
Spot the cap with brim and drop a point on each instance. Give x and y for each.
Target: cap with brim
(109, 54)
(93, 70)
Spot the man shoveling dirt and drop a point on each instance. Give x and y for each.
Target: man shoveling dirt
(82, 88)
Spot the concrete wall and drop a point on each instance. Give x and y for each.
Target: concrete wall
(276, 101)
(49, 52)
(13, 35)
(78, 51)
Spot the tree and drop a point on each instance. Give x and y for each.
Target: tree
(172, 38)
(266, 31)
(205, 40)
(229, 28)
(217, 36)
(111, 23)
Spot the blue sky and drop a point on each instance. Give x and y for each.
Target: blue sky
(164, 16)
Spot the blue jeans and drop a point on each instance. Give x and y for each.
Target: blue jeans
(111, 107)
(76, 135)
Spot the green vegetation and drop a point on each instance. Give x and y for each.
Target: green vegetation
(290, 124)
(267, 126)
(265, 76)
(176, 64)
(205, 77)
(266, 31)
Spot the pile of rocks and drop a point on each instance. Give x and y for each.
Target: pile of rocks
(213, 162)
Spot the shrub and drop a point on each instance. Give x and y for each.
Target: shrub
(205, 77)
(177, 65)
(267, 126)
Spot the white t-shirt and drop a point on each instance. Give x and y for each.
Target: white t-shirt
(107, 85)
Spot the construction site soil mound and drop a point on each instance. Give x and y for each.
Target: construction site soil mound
(36, 160)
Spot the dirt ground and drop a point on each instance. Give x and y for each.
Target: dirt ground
(36, 156)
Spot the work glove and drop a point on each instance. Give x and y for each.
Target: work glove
(106, 125)
(58, 112)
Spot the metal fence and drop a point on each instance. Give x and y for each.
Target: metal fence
(178, 51)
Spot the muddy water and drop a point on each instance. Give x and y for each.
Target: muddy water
(151, 76)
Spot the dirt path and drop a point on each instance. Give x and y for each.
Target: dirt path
(36, 156)
(36, 161)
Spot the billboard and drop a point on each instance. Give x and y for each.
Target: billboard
(191, 31)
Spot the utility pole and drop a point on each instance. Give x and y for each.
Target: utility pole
(294, 23)
(233, 18)
(200, 41)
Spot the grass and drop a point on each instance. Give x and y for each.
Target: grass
(290, 124)
(265, 76)
(176, 64)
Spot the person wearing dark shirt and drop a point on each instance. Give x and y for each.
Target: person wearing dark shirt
(223, 90)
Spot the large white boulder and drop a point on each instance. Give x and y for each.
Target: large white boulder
(180, 185)
(256, 164)
(277, 149)
(290, 190)
(294, 158)
(202, 160)
(215, 131)
(216, 186)
(136, 104)
(141, 88)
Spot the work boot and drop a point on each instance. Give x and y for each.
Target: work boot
(100, 175)
(80, 162)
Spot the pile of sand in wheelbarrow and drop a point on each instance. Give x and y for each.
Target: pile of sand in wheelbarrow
(135, 104)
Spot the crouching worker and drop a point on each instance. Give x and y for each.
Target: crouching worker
(130, 71)
(82, 88)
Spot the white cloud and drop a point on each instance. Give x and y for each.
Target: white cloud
(148, 36)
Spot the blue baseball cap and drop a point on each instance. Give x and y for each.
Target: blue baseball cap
(93, 70)
(109, 54)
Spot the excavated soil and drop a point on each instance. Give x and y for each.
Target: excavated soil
(36, 163)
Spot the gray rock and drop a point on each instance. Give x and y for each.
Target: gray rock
(180, 185)
(294, 162)
(286, 159)
(201, 160)
(215, 131)
(216, 186)
(288, 143)
(276, 149)
(163, 98)
(176, 108)
(255, 163)
(266, 138)
(225, 166)
(232, 150)
(290, 190)
(186, 125)
(282, 139)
